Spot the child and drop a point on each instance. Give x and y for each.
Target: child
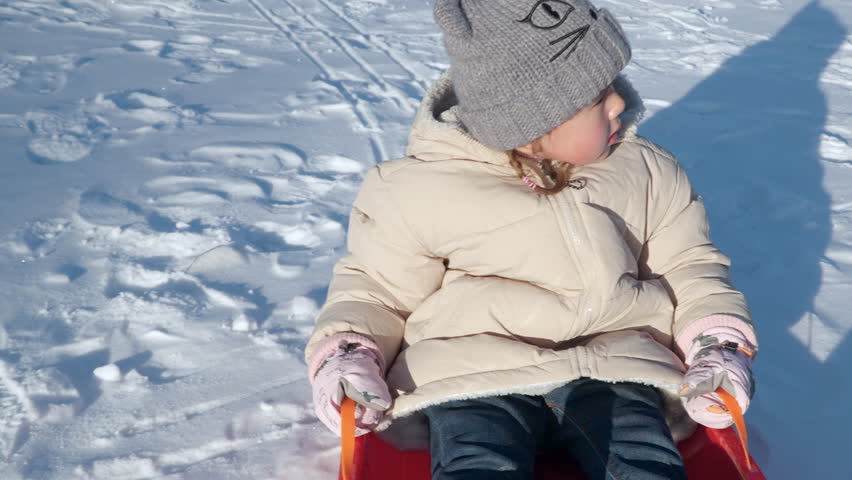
(532, 274)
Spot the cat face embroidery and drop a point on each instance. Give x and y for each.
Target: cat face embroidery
(551, 14)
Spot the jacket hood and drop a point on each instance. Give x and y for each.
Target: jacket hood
(439, 134)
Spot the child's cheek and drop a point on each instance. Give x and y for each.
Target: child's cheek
(590, 149)
(579, 152)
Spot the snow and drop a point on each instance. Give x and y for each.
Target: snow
(176, 182)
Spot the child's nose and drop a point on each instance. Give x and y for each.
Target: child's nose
(615, 105)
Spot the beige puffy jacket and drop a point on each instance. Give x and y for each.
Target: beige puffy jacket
(471, 284)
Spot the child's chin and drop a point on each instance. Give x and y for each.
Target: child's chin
(600, 158)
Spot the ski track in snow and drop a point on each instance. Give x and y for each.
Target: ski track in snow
(338, 78)
(154, 320)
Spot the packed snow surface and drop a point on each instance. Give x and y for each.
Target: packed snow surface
(175, 186)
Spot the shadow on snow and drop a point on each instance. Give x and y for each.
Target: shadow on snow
(749, 136)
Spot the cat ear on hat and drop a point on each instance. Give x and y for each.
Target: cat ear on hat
(450, 16)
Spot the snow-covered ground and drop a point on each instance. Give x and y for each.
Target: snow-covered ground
(174, 188)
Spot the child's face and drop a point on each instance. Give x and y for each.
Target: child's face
(587, 136)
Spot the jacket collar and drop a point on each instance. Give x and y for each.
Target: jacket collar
(438, 133)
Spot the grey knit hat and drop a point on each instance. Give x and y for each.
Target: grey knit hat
(522, 67)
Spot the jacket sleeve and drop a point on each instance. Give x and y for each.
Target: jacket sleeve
(679, 253)
(386, 274)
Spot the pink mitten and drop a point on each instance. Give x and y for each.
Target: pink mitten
(353, 368)
(720, 357)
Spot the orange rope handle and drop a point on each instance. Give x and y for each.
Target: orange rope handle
(347, 437)
(737, 413)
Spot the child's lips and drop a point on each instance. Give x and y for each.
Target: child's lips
(613, 137)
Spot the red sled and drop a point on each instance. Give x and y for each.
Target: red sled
(709, 454)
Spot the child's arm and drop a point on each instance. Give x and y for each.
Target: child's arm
(385, 276)
(712, 327)
(681, 255)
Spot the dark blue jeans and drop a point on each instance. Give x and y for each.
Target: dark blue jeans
(614, 431)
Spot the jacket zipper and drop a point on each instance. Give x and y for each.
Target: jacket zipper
(568, 219)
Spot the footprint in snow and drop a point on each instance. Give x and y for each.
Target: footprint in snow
(258, 157)
(265, 416)
(334, 164)
(836, 148)
(769, 4)
(118, 118)
(29, 396)
(217, 262)
(62, 138)
(38, 75)
(149, 47)
(311, 232)
(14, 422)
(9, 73)
(101, 208)
(190, 190)
(138, 112)
(36, 238)
(64, 275)
(204, 58)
